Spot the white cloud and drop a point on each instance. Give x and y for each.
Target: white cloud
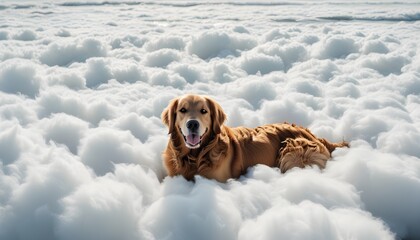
(63, 33)
(10, 147)
(261, 64)
(285, 110)
(66, 78)
(162, 58)
(103, 148)
(255, 91)
(129, 73)
(72, 104)
(64, 129)
(67, 53)
(110, 209)
(139, 126)
(289, 53)
(224, 73)
(171, 42)
(375, 46)
(164, 78)
(322, 70)
(25, 35)
(187, 215)
(299, 186)
(335, 47)
(309, 220)
(213, 44)
(45, 184)
(52, 102)
(128, 40)
(97, 72)
(4, 35)
(401, 138)
(385, 64)
(189, 73)
(19, 77)
(384, 180)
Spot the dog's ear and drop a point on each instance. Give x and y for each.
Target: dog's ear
(169, 115)
(218, 117)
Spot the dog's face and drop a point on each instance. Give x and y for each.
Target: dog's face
(194, 117)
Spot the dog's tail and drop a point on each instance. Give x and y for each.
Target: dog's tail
(332, 146)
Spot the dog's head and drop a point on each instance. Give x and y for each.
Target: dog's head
(194, 117)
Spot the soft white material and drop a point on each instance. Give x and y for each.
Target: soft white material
(83, 84)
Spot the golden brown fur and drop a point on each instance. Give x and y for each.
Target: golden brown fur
(225, 152)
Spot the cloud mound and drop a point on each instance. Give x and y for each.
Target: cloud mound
(212, 44)
(68, 53)
(19, 77)
(335, 47)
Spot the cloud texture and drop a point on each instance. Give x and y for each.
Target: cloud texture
(81, 136)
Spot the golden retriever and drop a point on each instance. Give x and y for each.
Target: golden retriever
(200, 144)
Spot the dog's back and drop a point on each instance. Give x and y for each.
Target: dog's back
(279, 145)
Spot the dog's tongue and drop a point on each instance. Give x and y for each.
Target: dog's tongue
(193, 139)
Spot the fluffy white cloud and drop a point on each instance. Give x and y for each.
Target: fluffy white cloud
(213, 44)
(72, 104)
(375, 46)
(102, 149)
(4, 35)
(65, 129)
(25, 35)
(44, 183)
(261, 64)
(335, 47)
(286, 110)
(97, 73)
(255, 91)
(139, 126)
(171, 42)
(161, 58)
(110, 209)
(19, 77)
(185, 214)
(309, 220)
(10, 147)
(384, 181)
(385, 64)
(81, 137)
(66, 53)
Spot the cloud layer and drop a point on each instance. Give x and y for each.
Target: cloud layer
(81, 136)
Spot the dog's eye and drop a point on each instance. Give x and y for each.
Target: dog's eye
(203, 111)
(183, 110)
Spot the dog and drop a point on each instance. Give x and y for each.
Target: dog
(200, 144)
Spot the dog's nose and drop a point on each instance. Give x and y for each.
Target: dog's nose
(193, 125)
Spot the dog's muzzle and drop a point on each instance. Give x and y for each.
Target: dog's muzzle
(193, 138)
